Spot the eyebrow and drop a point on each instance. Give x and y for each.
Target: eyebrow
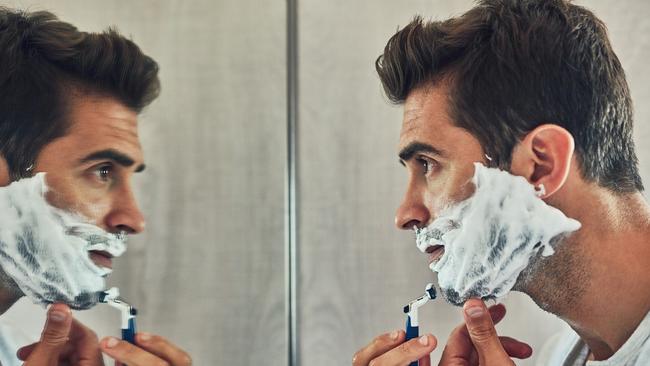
(114, 155)
(417, 147)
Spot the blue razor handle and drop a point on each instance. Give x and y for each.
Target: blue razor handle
(411, 311)
(411, 332)
(129, 333)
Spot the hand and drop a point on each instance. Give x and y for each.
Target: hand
(64, 341)
(476, 342)
(149, 350)
(391, 350)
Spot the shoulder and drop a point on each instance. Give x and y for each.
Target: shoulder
(557, 348)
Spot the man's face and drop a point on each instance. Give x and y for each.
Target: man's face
(89, 170)
(438, 156)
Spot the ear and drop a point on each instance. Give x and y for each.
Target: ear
(544, 157)
(4, 172)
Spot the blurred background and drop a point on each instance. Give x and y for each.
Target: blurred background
(219, 270)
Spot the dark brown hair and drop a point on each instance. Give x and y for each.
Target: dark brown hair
(512, 65)
(43, 62)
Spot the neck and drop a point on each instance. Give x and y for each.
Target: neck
(598, 281)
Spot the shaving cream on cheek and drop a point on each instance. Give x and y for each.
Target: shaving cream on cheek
(490, 237)
(45, 250)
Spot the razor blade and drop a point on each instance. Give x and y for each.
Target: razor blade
(128, 312)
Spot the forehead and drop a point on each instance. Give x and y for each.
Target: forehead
(103, 122)
(103, 113)
(427, 121)
(426, 118)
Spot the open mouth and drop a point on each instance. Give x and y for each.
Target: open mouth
(101, 258)
(435, 252)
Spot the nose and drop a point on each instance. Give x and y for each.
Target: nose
(412, 212)
(125, 214)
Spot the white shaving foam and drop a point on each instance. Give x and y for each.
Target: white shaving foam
(44, 250)
(490, 237)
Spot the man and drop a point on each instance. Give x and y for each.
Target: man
(69, 103)
(532, 87)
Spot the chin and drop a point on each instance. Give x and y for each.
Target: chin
(453, 297)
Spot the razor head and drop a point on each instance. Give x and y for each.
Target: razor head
(429, 294)
(110, 294)
(430, 291)
(102, 296)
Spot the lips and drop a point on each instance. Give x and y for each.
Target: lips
(101, 258)
(435, 252)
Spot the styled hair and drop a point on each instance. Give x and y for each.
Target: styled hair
(44, 63)
(512, 65)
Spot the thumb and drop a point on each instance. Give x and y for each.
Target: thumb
(54, 337)
(483, 334)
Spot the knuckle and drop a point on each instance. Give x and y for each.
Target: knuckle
(127, 349)
(481, 334)
(158, 339)
(54, 337)
(355, 358)
(187, 360)
(377, 342)
(404, 348)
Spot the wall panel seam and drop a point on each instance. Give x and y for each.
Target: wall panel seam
(291, 220)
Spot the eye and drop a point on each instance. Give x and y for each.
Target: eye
(104, 172)
(428, 165)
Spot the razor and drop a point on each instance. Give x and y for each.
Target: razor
(411, 311)
(112, 298)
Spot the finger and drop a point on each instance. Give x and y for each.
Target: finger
(162, 348)
(425, 361)
(378, 347)
(85, 344)
(482, 333)
(24, 352)
(515, 348)
(129, 354)
(82, 341)
(497, 312)
(408, 352)
(54, 337)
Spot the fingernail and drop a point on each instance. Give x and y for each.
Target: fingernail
(490, 302)
(475, 312)
(424, 340)
(394, 335)
(111, 342)
(144, 336)
(57, 316)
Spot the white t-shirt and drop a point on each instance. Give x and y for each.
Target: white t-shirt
(567, 349)
(10, 340)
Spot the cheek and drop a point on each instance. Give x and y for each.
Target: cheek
(69, 194)
(61, 192)
(94, 211)
(451, 186)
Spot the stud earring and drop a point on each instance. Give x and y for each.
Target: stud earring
(540, 191)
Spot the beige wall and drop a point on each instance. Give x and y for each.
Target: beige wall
(209, 272)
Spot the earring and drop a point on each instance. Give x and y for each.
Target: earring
(540, 190)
